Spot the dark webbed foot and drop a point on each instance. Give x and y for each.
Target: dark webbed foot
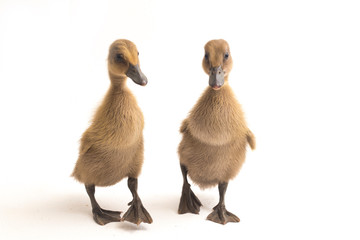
(136, 212)
(102, 216)
(222, 216)
(189, 203)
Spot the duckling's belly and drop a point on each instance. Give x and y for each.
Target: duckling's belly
(106, 167)
(211, 133)
(208, 164)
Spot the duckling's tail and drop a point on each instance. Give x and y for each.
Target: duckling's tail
(251, 139)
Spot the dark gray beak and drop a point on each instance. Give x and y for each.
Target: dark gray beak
(134, 72)
(216, 79)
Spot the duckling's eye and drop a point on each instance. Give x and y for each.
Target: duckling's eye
(119, 57)
(206, 57)
(138, 53)
(226, 56)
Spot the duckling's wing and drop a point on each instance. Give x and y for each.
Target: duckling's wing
(251, 139)
(84, 148)
(184, 126)
(86, 143)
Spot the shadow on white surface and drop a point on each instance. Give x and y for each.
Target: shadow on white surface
(45, 212)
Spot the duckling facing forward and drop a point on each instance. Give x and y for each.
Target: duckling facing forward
(112, 147)
(215, 136)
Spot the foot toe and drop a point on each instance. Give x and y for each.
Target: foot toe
(137, 214)
(113, 214)
(189, 203)
(232, 217)
(222, 216)
(103, 218)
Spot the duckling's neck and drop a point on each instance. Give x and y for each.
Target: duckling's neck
(118, 82)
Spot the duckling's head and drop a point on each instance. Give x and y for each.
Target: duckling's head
(123, 61)
(217, 62)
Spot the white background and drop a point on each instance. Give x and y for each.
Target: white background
(296, 74)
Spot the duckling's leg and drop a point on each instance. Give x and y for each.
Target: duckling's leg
(136, 212)
(101, 216)
(189, 203)
(220, 214)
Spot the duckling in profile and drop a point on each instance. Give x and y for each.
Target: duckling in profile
(215, 136)
(112, 147)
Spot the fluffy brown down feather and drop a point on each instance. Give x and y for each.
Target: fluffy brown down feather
(112, 147)
(215, 133)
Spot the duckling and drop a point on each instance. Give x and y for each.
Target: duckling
(112, 147)
(214, 136)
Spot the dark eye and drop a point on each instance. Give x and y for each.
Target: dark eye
(119, 57)
(138, 53)
(226, 56)
(206, 56)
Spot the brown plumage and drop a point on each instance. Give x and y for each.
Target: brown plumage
(215, 135)
(112, 147)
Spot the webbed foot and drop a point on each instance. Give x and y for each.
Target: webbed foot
(137, 213)
(189, 203)
(102, 216)
(222, 216)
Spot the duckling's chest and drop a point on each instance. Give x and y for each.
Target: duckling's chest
(128, 118)
(125, 122)
(216, 119)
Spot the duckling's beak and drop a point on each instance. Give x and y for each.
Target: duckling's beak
(134, 72)
(216, 79)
